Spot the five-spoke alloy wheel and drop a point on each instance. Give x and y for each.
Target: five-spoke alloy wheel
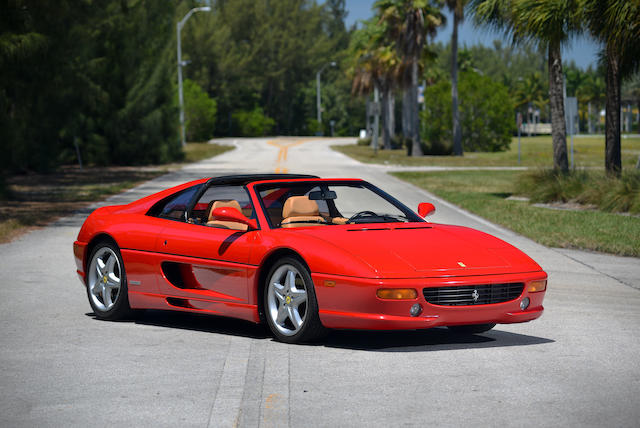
(107, 283)
(290, 303)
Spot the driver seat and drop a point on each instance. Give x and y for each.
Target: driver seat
(300, 211)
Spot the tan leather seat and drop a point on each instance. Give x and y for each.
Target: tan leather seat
(225, 224)
(300, 211)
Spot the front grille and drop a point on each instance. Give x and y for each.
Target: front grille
(464, 295)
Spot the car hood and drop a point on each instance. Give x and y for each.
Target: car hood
(425, 250)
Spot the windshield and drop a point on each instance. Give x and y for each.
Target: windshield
(330, 203)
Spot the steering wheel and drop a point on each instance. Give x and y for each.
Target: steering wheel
(361, 214)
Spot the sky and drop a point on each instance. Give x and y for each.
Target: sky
(582, 50)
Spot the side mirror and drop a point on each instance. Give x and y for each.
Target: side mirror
(425, 209)
(232, 214)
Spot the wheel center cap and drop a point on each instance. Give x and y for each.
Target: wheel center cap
(287, 300)
(104, 279)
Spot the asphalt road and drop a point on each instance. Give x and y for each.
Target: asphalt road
(578, 365)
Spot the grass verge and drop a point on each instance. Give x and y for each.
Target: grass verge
(35, 200)
(194, 152)
(536, 151)
(485, 193)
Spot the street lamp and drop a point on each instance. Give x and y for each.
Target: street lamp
(181, 63)
(318, 102)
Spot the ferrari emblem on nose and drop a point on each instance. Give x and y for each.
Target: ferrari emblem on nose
(462, 264)
(475, 295)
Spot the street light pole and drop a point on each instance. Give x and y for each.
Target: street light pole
(179, 26)
(318, 100)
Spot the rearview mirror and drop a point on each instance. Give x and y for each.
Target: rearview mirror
(232, 214)
(425, 209)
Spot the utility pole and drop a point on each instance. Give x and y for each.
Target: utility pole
(179, 26)
(318, 98)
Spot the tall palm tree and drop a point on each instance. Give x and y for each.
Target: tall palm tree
(409, 24)
(549, 23)
(375, 66)
(457, 8)
(617, 24)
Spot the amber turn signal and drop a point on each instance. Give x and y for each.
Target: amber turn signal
(539, 285)
(397, 293)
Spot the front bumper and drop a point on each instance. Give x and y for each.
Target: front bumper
(351, 303)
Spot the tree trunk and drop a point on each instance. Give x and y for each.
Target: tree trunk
(612, 160)
(391, 100)
(457, 132)
(386, 129)
(558, 127)
(590, 126)
(416, 149)
(406, 113)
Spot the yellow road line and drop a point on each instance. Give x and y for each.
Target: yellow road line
(283, 151)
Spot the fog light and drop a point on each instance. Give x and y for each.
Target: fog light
(524, 304)
(397, 293)
(415, 310)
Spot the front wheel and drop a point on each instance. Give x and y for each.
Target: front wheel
(107, 283)
(470, 329)
(290, 303)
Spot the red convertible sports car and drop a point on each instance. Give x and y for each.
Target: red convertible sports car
(302, 254)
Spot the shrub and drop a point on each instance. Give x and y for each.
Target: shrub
(364, 141)
(486, 116)
(607, 193)
(253, 123)
(200, 112)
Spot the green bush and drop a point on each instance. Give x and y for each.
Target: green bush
(364, 141)
(253, 123)
(593, 188)
(486, 115)
(200, 112)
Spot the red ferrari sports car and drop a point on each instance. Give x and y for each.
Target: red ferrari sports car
(303, 254)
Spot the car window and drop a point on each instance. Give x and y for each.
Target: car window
(174, 206)
(335, 203)
(225, 193)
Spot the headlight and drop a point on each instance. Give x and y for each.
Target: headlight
(397, 293)
(535, 286)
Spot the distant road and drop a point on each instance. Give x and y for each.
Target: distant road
(576, 366)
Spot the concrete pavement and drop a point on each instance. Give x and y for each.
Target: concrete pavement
(577, 365)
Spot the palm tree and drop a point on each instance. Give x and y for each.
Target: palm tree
(592, 92)
(549, 23)
(376, 66)
(409, 23)
(617, 24)
(457, 8)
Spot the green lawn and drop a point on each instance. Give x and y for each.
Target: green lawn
(536, 151)
(484, 193)
(199, 151)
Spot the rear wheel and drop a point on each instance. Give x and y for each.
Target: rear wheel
(291, 308)
(470, 329)
(107, 283)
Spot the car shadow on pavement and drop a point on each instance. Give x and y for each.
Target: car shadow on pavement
(196, 322)
(433, 339)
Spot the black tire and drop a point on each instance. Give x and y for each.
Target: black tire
(470, 329)
(107, 304)
(311, 329)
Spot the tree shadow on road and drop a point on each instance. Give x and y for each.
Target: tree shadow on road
(434, 339)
